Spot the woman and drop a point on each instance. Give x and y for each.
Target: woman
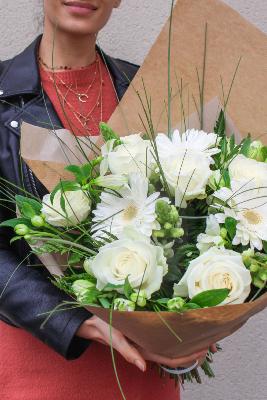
(62, 79)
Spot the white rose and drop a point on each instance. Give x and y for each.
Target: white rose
(248, 170)
(216, 269)
(143, 263)
(187, 174)
(133, 155)
(77, 208)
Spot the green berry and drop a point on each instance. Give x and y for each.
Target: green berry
(139, 298)
(21, 229)
(258, 283)
(173, 216)
(263, 275)
(162, 209)
(254, 267)
(121, 304)
(175, 304)
(167, 225)
(37, 221)
(176, 233)
(159, 234)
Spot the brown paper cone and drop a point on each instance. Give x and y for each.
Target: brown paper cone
(229, 37)
(48, 152)
(198, 329)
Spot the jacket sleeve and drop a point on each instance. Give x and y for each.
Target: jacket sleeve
(26, 292)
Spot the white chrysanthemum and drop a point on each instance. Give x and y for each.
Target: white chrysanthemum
(248, 207)
(132, 208)
(192, 139)
(211, 237)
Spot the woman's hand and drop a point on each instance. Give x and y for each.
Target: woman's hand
(98, 330)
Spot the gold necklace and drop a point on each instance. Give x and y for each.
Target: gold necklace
(82, 97)
(81, 118)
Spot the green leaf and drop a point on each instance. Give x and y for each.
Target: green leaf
(86, 170)
(27, 210)
(11, 223)
(110, 286)
(220, 125)
(232, 143)
(36, 205)
(191, 306)
(210, 298)
(76, 171)
(162, 301)
(75, 259)
(128, 290)
(226, 178)
(246, 146)
(105, 303)
(230, 224)
(63, 203)
(107, 132)
(265, 246)
(65, 186)
(15, 238)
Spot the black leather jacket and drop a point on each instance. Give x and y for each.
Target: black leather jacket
(26, 290)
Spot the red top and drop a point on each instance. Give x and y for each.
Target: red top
(81, 97)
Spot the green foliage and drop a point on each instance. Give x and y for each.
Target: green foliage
(127, 288)
(11, 223)
(104, 301)
(191, 306)
(230, 225)
(245, 147)
(108, 133)
(84, 173)
(220, 125)
(226, 178)
(210, 298)
(27, 206)
(64, 186)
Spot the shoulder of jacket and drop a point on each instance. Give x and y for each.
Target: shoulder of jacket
(3, 66)
(126, 67)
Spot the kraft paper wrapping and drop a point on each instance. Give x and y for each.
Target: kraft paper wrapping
(47, 152)
(198, 329)
(229, 37)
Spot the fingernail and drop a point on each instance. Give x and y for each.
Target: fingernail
(140, 365)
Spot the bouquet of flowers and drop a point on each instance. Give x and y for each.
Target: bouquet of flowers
(163, 226)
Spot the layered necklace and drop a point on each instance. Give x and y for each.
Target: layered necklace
(86, 118)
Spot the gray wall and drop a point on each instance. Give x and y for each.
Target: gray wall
(241, 368)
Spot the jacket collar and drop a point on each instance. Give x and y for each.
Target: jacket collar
(21, 75)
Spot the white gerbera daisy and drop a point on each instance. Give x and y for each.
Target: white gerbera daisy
(248, 206)
(132, 207)
(192, 139)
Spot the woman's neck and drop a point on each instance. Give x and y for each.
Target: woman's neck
(61, 49)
